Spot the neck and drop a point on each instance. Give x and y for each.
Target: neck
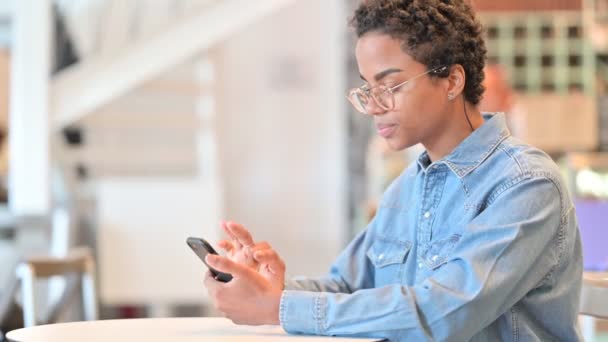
(454, 131)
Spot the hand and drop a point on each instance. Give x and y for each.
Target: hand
(257, 256)
(241, 246)
(249, 298)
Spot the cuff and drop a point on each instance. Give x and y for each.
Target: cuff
(303, 312)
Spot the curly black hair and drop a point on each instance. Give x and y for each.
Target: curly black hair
(435, 33)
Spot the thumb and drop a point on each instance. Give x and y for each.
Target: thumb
(272, 259)
(226, 265)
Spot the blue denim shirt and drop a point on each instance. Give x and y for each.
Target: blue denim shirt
(482, 245)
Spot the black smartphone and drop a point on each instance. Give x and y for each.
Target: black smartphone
(202, 248)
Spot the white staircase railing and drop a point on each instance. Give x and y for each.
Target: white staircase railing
(82, 88)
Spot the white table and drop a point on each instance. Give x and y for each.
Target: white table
(162, 329)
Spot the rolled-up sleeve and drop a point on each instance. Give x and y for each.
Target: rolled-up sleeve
(510, 248)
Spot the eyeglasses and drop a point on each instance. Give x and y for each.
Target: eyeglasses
(381, 94)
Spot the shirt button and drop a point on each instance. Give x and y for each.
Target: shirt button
(434, 258)
(381, 256)
(427, 214)
(419, 265)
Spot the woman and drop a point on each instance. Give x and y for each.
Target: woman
(476, 240)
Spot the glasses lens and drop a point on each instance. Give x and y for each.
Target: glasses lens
(383, 97)
(359, 100)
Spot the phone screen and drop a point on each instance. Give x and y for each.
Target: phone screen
(201, 248)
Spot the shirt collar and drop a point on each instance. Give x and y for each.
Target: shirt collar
(473, 150)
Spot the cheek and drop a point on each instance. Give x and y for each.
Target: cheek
(417, 115)
(431, 98)
(413, 109)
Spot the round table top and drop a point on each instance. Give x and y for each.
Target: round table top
(160, 329)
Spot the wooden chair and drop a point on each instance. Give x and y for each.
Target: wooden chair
(79, 261)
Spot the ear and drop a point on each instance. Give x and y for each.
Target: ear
(456, 81)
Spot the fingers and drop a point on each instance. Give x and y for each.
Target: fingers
(271, 258)
(226, 245)
(241, 234)
(235, 242)
(210, 283)
(226, 265)
(260, 246)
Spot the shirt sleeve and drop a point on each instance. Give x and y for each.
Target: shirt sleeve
(506, 251)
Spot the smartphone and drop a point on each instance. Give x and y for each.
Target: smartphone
(202, 248)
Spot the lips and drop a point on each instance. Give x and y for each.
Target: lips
(386, 130)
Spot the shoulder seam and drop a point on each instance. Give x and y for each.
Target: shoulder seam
(513, 157)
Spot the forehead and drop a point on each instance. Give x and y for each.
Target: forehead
(376, 52)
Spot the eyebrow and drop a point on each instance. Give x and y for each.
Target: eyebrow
(382, 74)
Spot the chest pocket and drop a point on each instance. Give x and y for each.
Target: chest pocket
(388, 257)
(438, 252)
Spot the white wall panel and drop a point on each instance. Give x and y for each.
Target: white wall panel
(281, 132)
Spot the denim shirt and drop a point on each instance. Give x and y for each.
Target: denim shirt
(482, 245)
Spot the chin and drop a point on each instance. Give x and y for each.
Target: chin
(398, 145)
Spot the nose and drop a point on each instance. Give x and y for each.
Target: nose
(372, 108)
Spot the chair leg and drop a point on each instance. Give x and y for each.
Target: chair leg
(7, 298)
(72, 285)
(26, 274)
(89, 297)
(587, 324)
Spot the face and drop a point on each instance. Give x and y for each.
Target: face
(420, 105)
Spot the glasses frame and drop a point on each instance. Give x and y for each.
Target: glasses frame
(370, 94)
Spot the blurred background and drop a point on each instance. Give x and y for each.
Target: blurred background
(128, 125)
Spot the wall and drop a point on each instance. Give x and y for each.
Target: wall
(282, 131)
(4, 85)
(155, 185)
